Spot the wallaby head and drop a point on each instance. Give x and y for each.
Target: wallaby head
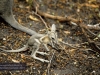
(53, 35)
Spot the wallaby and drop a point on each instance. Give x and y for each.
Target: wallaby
(7, 14)
(35, 42)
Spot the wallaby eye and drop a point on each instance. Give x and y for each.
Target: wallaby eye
(52, 38)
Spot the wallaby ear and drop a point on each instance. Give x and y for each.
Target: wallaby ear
(53, 28)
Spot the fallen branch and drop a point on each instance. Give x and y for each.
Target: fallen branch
(49, 64)
(68, 19)
(92, 44)
(63, 19)
(41, 18)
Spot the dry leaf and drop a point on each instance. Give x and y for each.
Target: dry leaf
(22, 55)
(16, 61)
(4, 54)
(67, 32)
(33, 18)
(19, 20)
(44, 73)
(60, 39)
(72, 52)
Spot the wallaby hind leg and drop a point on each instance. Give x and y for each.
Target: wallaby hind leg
(33, 54)
(42, 53)
(42, 60)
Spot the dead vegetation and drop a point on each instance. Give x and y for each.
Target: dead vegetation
(78, 28)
